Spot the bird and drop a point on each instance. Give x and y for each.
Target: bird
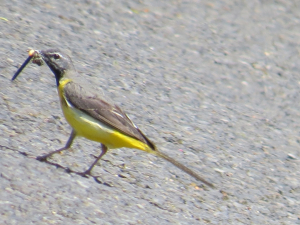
(92, 117)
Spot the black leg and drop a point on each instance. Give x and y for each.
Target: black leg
(104, 150)
(68, 145)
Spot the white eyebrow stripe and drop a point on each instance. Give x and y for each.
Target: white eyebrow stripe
(56, 53)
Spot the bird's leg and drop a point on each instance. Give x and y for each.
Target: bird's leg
(68, 145)
(103, 152)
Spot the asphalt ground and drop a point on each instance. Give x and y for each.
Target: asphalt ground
(215, 84)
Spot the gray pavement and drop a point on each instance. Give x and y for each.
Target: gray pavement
(215, 84)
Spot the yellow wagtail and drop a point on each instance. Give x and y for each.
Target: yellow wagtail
(90, 116)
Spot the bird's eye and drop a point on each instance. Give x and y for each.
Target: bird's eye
(56, 56)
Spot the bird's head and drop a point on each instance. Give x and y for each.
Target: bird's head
(57, 61)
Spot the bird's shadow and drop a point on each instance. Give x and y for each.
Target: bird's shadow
(68, 170)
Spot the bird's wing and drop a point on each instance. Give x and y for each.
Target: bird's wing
(102, 111)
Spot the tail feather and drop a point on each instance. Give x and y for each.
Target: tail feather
(182, 167)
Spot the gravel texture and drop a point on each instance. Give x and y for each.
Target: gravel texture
(214, 83)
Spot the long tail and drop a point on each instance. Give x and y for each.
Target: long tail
(182, 167)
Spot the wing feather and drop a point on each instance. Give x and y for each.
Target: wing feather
(111, 115)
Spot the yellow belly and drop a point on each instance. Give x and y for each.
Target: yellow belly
(92, 129)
